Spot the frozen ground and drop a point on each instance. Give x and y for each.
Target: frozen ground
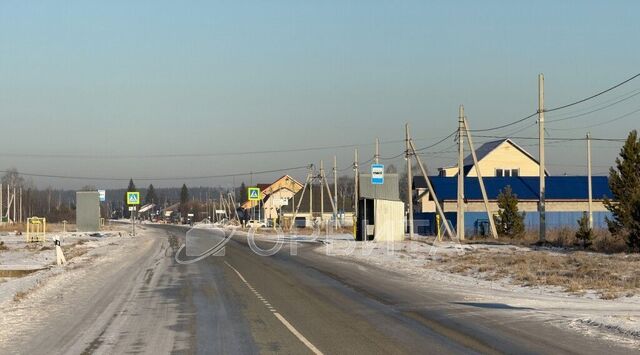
(617, 319)
(19, 258)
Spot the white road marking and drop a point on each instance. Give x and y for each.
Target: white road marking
(297, 334)
(282, 320)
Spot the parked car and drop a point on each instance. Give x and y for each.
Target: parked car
(252, 223)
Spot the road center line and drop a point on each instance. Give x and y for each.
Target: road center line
(282, 320)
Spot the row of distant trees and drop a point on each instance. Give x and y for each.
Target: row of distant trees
(54, 204)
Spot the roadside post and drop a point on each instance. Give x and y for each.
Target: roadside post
(60, 259)
(253, 194)
(133, 199)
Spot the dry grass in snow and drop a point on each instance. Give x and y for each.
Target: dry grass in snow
(611, 276)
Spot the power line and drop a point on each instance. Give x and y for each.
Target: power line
(438, 142)
(556, 108)
(187, 155)
(193, 155)
(592, 111)
(592, 96)
(557, 138)
(504, 125)
(159, 178)
(598, 124)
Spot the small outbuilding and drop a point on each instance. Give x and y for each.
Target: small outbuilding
(381, 214)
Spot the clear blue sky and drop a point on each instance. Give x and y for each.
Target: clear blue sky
(112, 78)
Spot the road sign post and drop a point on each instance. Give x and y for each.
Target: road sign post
(253, 194)
(133, 199)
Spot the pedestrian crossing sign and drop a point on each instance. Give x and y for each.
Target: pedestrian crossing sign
(133, 198)
(253, 194)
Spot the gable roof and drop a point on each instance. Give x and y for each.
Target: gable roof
(525, 187)
(488, 147)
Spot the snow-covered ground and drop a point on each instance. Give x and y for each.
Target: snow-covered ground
(421, 261)
(20, 258)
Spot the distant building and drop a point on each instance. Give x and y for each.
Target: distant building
(313, 209)
(566, 199)
(497, 158)
(504, 163)
(274, 197)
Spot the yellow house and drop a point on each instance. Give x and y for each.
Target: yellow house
(501, 158)
(275, 196)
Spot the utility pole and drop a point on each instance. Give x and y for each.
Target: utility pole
(15, 219)
(311, 178)
(20, 209)
(460, 202)
(335, 190)
(589, 183)
(432, 192)
(407, 157)
(1, 212)
(321, 193)
(355, 191)
(492, 222)
(541, 203)
(304, 188)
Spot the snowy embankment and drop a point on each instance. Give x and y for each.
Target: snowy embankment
(473, 272)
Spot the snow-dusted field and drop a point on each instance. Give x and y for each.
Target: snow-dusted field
(428, 264)
(19, 257)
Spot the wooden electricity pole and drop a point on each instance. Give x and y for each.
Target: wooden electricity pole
(335, 190)
(355, 189)
(307, 182)
(541, 203)
(409, 182)
(460, 201)
(432, 192)
(590, 182)
(492, 222)
(321, 194)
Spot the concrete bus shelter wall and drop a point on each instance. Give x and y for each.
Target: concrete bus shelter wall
(87, 211)
(389, 220)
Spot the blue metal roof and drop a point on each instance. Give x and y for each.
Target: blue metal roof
(526, 188)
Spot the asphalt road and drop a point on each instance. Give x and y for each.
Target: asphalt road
(242, 303)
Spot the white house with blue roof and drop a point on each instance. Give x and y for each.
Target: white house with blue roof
(504, 163)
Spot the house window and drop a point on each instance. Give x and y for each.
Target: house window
(507, 172)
